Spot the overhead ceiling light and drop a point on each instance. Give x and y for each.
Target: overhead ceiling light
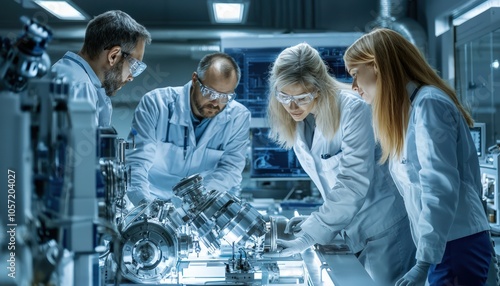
(228, 11)
(495, 64)
(64, 10)
(457, 21)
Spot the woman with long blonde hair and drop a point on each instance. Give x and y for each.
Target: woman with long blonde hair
(325, 124)
(424, 134)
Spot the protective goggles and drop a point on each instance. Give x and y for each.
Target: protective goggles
(136, 66)
(301, 99)
(214, 95)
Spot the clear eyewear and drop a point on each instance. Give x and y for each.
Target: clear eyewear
(214, 95)
(301, 99)
(136, 66)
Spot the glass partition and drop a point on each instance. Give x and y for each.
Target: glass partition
(478, 79)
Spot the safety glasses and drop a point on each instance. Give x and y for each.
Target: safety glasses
(136, 66)
(301, 99)
(213, 94)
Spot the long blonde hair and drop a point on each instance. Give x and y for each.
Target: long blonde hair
(302, 65)
(398, 61)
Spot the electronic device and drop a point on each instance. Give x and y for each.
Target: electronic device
(270, 161)
(478, 132)
(490, 175)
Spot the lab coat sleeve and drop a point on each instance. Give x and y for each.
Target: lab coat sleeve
(228, 172)
(436, 125)
(353, 175)
(141, 158)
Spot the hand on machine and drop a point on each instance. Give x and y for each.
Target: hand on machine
(292, 247)
(293, 225)
(301, 242)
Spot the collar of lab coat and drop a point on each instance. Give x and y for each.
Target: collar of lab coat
(300, 139)
(410, 87)
(88, 69)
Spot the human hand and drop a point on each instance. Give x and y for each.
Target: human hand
(293, 225)
(416, 276)
(291, 247)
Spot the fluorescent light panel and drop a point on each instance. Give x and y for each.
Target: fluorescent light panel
(475, 11)
(61, 9)
(228, 12)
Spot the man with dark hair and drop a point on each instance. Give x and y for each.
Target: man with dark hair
(184, 130)
(111, 56)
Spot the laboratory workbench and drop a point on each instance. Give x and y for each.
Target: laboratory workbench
(337, 265)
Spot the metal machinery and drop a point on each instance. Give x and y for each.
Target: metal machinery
(19, 62)
(490, 174)
(65, 176)
(490, 177)
(200, 237)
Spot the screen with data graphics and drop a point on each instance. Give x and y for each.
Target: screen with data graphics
(271, 161)
(479, 137)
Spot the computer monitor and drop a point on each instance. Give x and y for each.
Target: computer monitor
(255, 63)
(271, 162)
(478, 132)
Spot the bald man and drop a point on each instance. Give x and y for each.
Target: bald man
(195, 128)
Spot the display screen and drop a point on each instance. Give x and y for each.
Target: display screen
(476, 136)
(271, 161)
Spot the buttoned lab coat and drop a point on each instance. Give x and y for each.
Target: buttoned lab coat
(162, 119)
(85, 85)
(360, 198)
(438, 175)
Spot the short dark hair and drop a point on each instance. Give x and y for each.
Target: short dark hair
(229, 65)
(113, 28)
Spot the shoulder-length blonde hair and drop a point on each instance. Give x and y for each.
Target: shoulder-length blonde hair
(302, 65)
(397, 61)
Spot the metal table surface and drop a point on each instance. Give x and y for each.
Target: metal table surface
(341, 269)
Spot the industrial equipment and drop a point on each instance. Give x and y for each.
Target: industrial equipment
(65, 175)
(21, 61)
(490, 178)
(200, 237)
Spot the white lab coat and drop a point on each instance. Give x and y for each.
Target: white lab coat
(158, 162)
(85, 85)
(438, 175)
(360, 199)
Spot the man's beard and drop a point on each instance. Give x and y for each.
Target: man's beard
(206, 114)
(113, 79)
